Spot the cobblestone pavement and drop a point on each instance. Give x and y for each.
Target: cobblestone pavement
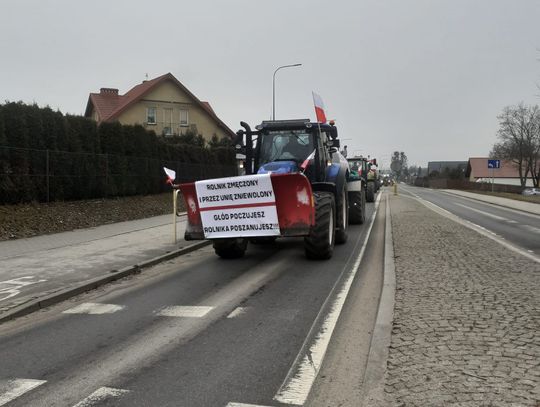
(466, 326)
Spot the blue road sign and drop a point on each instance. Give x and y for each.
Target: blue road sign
(494, 163)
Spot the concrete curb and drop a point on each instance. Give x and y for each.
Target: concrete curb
(375, 372)
(113, 275)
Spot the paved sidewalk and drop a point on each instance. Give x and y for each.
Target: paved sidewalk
(42, 265)
(466, 319)
(506, 202)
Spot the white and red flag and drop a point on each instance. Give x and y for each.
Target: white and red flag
(171, 175)
(306, 161)
(319, 108)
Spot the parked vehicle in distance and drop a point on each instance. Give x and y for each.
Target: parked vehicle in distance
(531, 191)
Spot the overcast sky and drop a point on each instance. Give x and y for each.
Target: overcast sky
(425, 77)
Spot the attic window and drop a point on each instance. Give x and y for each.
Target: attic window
(151, 115)
(184, 122)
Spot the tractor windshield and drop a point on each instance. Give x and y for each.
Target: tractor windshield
(285, 145)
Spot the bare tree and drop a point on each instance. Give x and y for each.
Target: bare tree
(518, 133)
(399, 164)
(534, 151)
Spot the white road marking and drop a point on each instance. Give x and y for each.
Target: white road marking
(243, 405)
(94, 308)
(237, 312)
(531, 228)
(100, 395)
(483, 213)
(17, 387)
(11, 288)
(296, 387)
(185, 311)
(478, 228)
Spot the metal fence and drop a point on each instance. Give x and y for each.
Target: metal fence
(48, 175)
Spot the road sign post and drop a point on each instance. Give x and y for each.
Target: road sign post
(493, 164)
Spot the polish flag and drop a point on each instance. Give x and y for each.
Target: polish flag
(319, 108)
(171, 175)
(306, 161)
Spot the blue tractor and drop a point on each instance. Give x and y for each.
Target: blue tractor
(300, 146)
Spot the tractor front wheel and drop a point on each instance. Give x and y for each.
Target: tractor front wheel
(230, 248)
(319, 244)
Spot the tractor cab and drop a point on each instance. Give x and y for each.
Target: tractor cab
(290, 146)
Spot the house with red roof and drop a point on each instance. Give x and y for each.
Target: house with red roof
(479, 171)
(162, 104)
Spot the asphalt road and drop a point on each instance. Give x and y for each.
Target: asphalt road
(194, 331)
(518, 228)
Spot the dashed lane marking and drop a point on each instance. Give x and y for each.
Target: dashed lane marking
(100, 395)
(185, 311)
(238, 312)
(94, 309)
(15, 388)
(244, 405)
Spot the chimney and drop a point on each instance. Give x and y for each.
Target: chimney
(108, 91)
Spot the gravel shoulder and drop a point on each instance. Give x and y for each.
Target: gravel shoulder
(466, 318)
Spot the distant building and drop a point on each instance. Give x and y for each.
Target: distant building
(162, 104)
(442, 168)
(478, 171)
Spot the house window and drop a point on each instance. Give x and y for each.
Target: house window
(151, 116)
(184, 122)
(168, 122)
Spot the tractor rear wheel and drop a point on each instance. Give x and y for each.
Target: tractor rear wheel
(370, 192)
(319, 244)
(357, 207)
(230, 248)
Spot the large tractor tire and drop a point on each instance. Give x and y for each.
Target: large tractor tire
(370, 192)
(319, 244)
(342, 217)
(357, 207)
(230, 248)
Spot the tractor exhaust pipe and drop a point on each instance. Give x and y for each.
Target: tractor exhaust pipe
(249, 147)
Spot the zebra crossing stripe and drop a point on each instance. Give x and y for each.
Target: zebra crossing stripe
(12, 389)
(94, 309)
(100, 395)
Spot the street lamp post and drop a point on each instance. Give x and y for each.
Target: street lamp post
(274, 88)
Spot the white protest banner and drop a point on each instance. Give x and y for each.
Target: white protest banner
(238, 207)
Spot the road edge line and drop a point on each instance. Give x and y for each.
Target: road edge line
(320, 333)
(473, 226)
(375, 371)
(526, 212)
(89, 285)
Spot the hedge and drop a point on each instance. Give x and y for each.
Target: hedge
(46, 156)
